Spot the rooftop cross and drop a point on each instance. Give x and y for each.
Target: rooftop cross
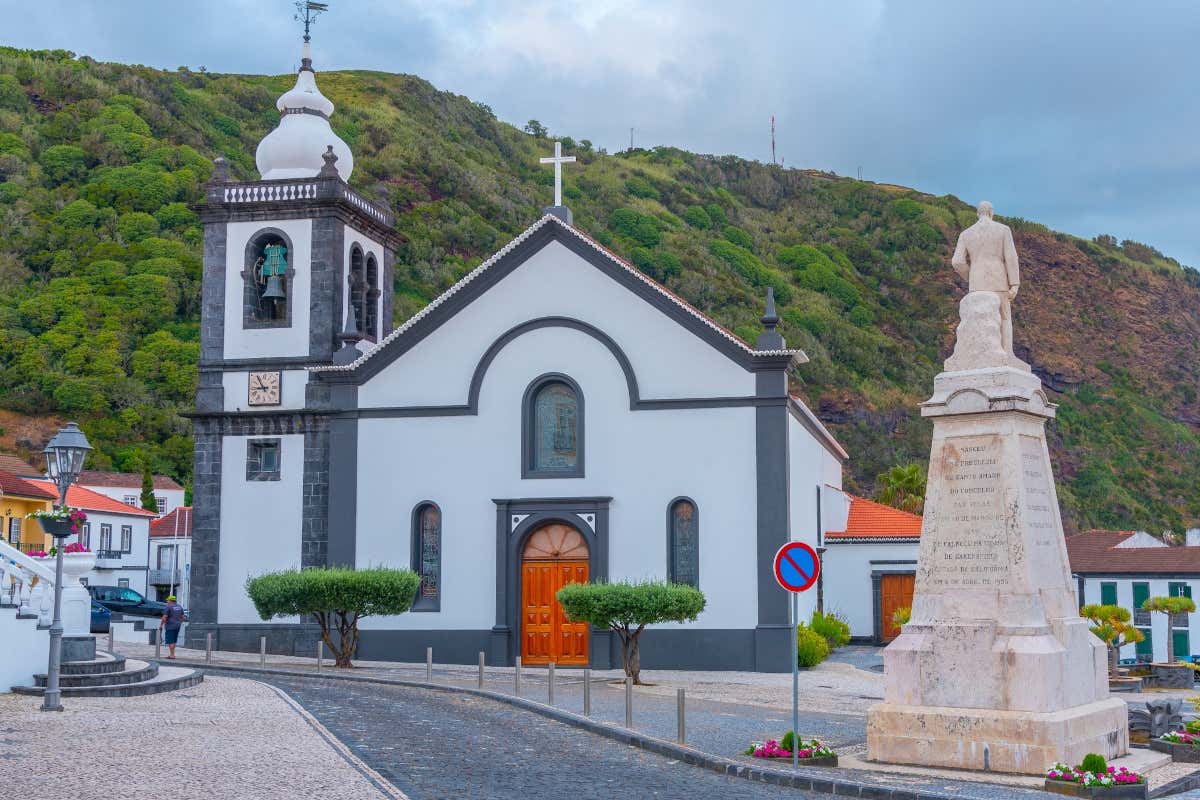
(558, 159)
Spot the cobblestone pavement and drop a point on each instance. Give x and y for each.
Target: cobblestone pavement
(434, 745)
(225, 737)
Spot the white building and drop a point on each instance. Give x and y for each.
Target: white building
(171, 555)
(870, 563)
(554, 416)
(1125, 568)
(126, 487)
(118, 534)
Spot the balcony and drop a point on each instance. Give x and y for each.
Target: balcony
(1179, 620)
(109, 555)
(164, 577)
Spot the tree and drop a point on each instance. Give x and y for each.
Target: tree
(1111, 625)
(535, 128)
(149, 502)
(628, 608)
(1169, 606)
(902, 487)
(336, 597)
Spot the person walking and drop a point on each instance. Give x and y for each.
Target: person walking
(172, 620)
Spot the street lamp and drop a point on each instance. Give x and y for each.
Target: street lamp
(64, 461)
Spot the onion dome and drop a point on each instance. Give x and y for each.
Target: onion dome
(295, 147)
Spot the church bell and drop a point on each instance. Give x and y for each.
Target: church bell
(274, 267)
(274, 290)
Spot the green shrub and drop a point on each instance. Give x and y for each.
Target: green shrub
(811, 647)
(1193, 726)
(788, 740)
(717, 214)
(753, 270)
(640, 187)
(697, 217)
(861, 316)
(738, 236)
(1094, 763)
(833, 627)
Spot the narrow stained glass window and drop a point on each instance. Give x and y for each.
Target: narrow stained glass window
(430, 550)
(685, 543)
(555, 429)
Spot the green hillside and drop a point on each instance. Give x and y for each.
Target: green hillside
(100, 269)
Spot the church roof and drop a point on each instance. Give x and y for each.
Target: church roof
(561, 230)
(872, 521)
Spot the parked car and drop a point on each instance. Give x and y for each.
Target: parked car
(122, 600)
(100, 618)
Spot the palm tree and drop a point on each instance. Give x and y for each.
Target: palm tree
(1169, 606)
(902, 487)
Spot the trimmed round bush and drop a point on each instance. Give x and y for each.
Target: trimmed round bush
(811, 647)
(1094, 763)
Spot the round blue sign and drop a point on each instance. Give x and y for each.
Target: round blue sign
(797, 566)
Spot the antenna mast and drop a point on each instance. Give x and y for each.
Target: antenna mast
(773, 139)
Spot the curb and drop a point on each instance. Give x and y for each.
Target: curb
(800, 779)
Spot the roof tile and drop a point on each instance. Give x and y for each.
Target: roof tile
(123, 480)
(1096, 552)
(178, 522)
(11, 484)
(87, 500)
(871, 520)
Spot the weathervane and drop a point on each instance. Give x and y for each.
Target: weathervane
(307, 12)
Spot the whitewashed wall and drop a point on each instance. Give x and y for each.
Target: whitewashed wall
(1158, 622)
(173, 497)
(848, 588)
(369, 246)
(267, 342)
(25, 652)
(811, 465)
(642, 459)
(260, 523)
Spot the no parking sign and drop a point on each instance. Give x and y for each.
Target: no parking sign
(797, 566)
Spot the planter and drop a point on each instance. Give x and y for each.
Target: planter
(1129, 791)
(1172, 676)
(76, 602)
(812, 761)
(1179, 753)
(58, 528)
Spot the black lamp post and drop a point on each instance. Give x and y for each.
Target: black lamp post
(64, 461)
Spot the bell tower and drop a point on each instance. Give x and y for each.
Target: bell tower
(297, 273)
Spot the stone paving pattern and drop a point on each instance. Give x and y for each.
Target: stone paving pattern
(225, 737)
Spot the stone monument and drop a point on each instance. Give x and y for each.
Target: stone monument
(995, 670)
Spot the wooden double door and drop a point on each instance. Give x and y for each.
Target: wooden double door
(554, 556)
(895, 591)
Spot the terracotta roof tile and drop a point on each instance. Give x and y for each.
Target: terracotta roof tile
(1095, 552)
(166, 524)
(123, 480)
(11, 484)
(871, 520)
(87, 500)
(19, 466)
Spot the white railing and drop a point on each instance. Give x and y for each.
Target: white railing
(365, 205)
(267, 192)
(25, 582)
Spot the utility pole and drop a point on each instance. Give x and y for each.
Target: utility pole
(631, 139)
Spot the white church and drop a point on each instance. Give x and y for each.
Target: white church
(554, 416)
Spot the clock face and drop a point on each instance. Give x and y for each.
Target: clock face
(264, 388)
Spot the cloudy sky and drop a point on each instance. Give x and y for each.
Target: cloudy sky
(1081, 115)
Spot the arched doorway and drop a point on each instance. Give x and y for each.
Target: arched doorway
(555, 555)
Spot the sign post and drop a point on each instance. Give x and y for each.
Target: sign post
(796, 570)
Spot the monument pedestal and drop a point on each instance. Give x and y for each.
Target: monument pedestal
(996, 670)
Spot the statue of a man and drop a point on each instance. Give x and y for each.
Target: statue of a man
(987, 258)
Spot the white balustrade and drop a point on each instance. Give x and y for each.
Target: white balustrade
(269, 192)
(18, 572)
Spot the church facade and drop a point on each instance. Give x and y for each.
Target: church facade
(555, 416)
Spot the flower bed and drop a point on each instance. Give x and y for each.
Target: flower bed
(809, 754)
(1182, 746)
(1113, 782)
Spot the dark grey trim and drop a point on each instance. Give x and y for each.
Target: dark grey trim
(877, 595)
(905, 562)
(1137, 576)
(251, 302)
(342, 464)
(505, 643)
(206, 525)
(254, 467)
(529, 432)
(326, 287)
(286, 639)
(671, 570)
(315, 516)
(423, 603)
(872, 540)
(267, 362)
(212, 293)
(553, 231)
(775, 646)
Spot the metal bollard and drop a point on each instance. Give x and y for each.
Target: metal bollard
(550, 683)
(480, 669)
(629, 703)
(208, 648)
(320, 654)
(429, 664)
(517, 679)
(262, 651)
(158, 644)
(111, 647)
(681, 734)
(587, 692)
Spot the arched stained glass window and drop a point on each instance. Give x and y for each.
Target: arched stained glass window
(427, 556)
(683, 542)
(553, 428)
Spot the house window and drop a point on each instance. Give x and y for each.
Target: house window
(132, 500)
(267, 280)
(262, 459)
(1108, 594)
(427, 556)
(126, 538)
(161, 504)
(1141, 618)
(14, 531)
(553, 429)
(122, 583)
(87, 535)
(683, 520)
(105, 537)
(165, 557)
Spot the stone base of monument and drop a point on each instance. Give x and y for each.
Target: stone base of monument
(987, 739)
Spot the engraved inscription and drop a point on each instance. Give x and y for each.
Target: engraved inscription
(1040, 516)
(969, 550)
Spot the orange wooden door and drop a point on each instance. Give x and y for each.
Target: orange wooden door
(546, 634)
(895, 591)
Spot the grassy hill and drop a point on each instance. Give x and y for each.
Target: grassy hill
(100, 269)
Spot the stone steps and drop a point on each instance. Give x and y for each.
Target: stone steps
(115, 676)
